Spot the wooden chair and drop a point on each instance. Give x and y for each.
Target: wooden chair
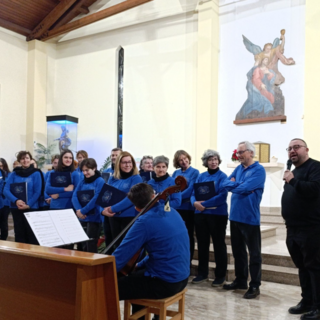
(159, 307)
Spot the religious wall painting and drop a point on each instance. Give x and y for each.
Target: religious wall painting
(265, 101)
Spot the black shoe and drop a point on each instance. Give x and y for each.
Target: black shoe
(218, 282)
(155, 317)
(314, 314)
(300, 308)
(234, 286)
(252, 293)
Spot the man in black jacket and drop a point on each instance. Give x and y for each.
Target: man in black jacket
(301, 211)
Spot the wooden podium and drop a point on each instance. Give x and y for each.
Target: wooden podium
(48, 283)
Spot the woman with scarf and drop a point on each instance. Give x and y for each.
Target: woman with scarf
(29, 181)
(62, 196)
(211, 218)
(162, 180)
(125, 176)
(84, 201)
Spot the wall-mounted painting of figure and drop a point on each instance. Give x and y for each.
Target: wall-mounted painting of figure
(265, 101)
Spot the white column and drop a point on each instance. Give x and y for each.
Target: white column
(36, 94)
(207, 79)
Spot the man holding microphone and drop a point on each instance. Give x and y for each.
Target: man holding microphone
(301, 212)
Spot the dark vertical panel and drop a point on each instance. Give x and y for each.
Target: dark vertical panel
(120, 96)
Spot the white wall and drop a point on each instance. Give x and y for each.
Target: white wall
(159, 87)
(260, 22)
(13, 94)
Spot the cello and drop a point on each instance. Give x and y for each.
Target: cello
(180, 185)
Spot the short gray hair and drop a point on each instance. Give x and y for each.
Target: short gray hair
(144, 158)
(208, 154)
(249, 146)
(161, 159)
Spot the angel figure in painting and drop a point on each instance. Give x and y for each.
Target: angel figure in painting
(265, 97)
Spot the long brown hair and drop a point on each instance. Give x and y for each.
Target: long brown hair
(5, 165)
(60, 164)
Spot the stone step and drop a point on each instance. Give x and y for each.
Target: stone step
(272, 219)
(266, 232)
(270, 210)
(279, 260)
(269, 273)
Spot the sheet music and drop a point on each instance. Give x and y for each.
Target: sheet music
(68, 225)
(56, 227)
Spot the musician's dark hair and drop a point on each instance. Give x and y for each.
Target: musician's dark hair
(140, 195)
(300, 140)
(23, 154)
(5, 165)
(90, 163)
(116, 149)
(60, 164)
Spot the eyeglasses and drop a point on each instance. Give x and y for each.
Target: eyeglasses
(239, 153)
(126, 162)
(295, 148)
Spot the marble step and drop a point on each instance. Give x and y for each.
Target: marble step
(269, 273)
(270, 210)
(267, 231)
(274, 219)
(280, 260)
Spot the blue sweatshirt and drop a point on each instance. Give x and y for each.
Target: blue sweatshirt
(42, 202)
(219, 201)
(64, 200)
(247, 192)
(109, 170)
(2, 182)
(191, 176)
(6, 201)
(165, 237)
(33, 189)
(159, 186)
(96, 186)
(124, 207)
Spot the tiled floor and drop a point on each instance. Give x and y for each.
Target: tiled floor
(204, 302)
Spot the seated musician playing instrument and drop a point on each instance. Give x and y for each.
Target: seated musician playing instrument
(164, 236)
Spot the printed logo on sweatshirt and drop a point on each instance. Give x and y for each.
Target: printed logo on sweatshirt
(248, 174)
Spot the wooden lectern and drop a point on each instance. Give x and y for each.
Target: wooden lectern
(48, 283)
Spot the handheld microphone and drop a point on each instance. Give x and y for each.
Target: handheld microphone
(289, 164)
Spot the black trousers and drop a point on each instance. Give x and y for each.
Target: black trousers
(107, 231)
(116, 226)
(22, 231)
(188, 218)
(215, 226)
(304, 248)
(138, 286)
(245, 235)
(92, 229)
(4, 213)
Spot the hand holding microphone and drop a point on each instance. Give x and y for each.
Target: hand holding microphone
(288, 175)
